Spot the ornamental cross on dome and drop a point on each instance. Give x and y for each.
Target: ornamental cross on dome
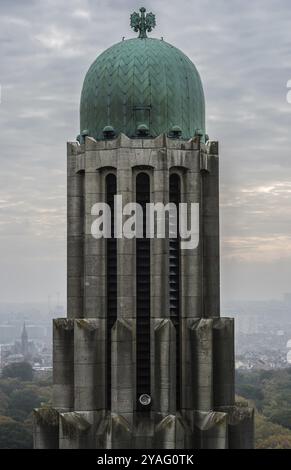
(143, 22)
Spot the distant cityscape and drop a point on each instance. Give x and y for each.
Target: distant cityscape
(26, 334)
(263, 333)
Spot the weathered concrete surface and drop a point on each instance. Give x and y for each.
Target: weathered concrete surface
(210, 430)
(89, 364)
(207, 416)
(63, 363)
(46, 428)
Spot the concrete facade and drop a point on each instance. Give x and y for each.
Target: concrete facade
(207, 416)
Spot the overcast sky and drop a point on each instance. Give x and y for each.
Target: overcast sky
(242, 50)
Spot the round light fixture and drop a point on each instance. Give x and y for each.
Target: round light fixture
(145, 399)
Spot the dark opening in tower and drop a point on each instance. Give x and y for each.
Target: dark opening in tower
(111, 280)
(143, 297)
(174, 277)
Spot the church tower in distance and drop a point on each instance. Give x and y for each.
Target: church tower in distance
(143, 359)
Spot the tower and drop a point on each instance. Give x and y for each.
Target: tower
(24, 343)
(143, 359)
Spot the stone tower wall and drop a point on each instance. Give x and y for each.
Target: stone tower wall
(208, 416)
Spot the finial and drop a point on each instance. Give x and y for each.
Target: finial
(143, 22)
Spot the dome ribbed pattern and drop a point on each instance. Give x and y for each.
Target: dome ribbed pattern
(142, 81)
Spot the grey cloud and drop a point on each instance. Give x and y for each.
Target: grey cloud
(243, 54)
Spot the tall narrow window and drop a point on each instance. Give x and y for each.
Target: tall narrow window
(174, 279)
(143, 297)
(111, 279)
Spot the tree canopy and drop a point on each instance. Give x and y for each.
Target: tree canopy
(20, 370)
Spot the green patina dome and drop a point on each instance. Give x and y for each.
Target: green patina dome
(142, 81)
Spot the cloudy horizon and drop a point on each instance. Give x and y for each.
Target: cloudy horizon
(243, 55)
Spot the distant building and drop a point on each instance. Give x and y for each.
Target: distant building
(287, 298)
(19, 351)
(5, 352)
(8, 333)
(24, 344)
